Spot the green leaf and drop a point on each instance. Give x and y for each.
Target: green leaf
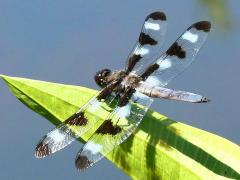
(160, 149)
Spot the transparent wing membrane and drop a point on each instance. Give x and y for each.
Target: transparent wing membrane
(179, 56)
(117, 127)
(72, 128)
(149, 42)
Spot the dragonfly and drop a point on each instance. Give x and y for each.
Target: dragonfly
(129, 92)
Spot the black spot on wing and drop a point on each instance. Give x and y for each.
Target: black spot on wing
(133, 60)
(146, 39)
(149, 71)
(106, 92)
(202, 26)
(42, 149)
(82, 162)
(77, 119)
(176, 50)
(157, 16)
(126, 97)
(108, 128)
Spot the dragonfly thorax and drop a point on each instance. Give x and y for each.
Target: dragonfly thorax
(132, 81)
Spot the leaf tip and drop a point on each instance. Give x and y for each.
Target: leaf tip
(4, 77)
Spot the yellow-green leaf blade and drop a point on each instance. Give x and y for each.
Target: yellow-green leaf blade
(161, 148)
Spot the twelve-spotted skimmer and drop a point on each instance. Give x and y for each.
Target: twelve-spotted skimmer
(130, 91)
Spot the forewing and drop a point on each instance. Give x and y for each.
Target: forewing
(149, 42)
(72, 128)
(179, 56)
(115, 129)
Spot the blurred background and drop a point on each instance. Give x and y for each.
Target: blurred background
(67, 42)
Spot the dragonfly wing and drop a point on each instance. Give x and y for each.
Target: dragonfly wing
(149, 42)
(117, 127)
(72, 128)
(179, 56)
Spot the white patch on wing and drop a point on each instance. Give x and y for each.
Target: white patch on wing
(57, 136)
(152, 26)
(164, 64)
(93, 147)
(124, 112)
(142, 51)
(94, 106)
(190, 37)
(137, 96)
(153, 81)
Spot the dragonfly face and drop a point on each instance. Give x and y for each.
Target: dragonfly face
(143, 79)
(101, 77)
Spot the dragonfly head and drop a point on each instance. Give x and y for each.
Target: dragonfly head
(101, 77)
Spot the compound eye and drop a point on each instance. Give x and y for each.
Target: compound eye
(100, 77)
(105, 73)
